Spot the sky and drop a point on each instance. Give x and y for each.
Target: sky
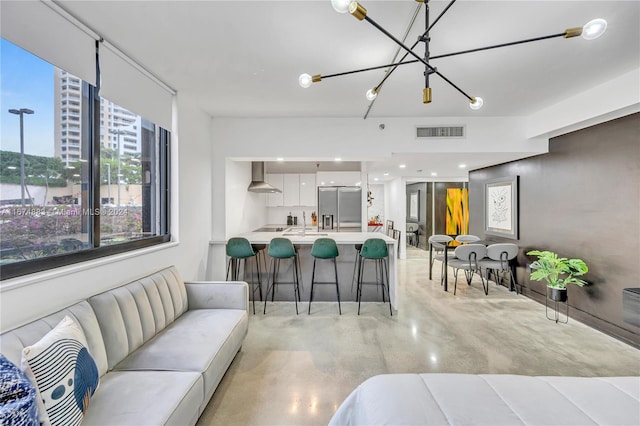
(26, 81)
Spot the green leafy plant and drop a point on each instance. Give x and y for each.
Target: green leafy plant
(557, 271)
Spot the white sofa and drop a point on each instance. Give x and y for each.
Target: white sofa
(161, 346)
(491, 399)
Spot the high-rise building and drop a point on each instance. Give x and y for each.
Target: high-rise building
(119, 128)
(67, 112)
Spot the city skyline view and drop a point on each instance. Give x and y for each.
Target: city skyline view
(55, 96)
(26, 81)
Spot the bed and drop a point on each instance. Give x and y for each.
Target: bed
(491, 399)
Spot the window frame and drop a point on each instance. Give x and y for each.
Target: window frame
(30, 266)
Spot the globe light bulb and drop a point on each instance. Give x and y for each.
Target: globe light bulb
(476, 103)
(371, 94)
(594, 29)
(304, 80)
(341, 6)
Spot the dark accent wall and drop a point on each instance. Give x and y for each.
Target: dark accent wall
(581, 200)
(426, 205)
(425, 210)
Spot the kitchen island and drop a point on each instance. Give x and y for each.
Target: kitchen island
(346, 242)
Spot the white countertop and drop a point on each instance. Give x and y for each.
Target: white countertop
(311, 236)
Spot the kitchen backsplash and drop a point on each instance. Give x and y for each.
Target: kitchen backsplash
(278, 215)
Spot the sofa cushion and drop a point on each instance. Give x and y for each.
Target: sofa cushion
(146, 398)
(134, 313)
(202, 340)
(64, 373)
(13, 341)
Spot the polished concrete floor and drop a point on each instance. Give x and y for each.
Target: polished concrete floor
(296, 370)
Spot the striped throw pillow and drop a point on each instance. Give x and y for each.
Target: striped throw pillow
(64, 373)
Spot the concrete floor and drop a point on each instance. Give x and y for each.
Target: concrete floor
(296, 370)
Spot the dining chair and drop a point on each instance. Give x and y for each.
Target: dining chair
(389, 228)
(437, 243)
(498, 260)
(467, 238)
(412, 233)
(396, 236)
(467, 258)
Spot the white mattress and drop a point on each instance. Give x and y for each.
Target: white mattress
(491, 399)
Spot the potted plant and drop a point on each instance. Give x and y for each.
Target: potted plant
(557, 272)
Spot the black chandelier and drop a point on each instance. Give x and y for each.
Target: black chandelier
(590, 31)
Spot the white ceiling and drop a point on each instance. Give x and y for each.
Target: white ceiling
(243, 58)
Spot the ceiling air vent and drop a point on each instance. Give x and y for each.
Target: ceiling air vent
(440, 132)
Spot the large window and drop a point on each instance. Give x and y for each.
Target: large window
(80, 177)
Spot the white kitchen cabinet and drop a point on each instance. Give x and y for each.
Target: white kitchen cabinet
(308, 189)
(291, 189)
(277, 180)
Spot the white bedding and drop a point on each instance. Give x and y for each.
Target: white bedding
(491, 399)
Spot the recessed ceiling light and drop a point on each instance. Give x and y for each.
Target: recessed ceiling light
(321, 183)
(376, 179)
(386, 173)
(402, 166)
(462, 166)
(434, 174)
(337, 159)
(358, 183)
(279, 159)
(333, 181)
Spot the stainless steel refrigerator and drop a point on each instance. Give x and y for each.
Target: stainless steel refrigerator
(340, 208)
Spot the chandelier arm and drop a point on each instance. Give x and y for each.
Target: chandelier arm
(496, 46)
(411, 52)
(377, 88)
(395, 64)
(439, 16)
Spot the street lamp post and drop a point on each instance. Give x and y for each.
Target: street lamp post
(21, 112)
(108, 183)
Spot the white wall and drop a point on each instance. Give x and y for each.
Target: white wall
(395, 200)
(26, 298)
(354, 139)
(244, 210)
(377, 206)
(613, 99)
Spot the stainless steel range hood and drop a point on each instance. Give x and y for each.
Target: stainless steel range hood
(257, 180)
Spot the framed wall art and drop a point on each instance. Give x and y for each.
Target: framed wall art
(414, 206)
(501, 207)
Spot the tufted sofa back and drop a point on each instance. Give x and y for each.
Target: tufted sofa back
(13, 341)
(132, 314)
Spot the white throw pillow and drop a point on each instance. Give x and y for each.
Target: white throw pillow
(63, 371)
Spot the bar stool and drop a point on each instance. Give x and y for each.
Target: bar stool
(324, 248)
(282, 248)
(375, 249)
(240, 249)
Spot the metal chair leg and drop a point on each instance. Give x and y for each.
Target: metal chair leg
(313, 277)
(335, 269)
(296, 288)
